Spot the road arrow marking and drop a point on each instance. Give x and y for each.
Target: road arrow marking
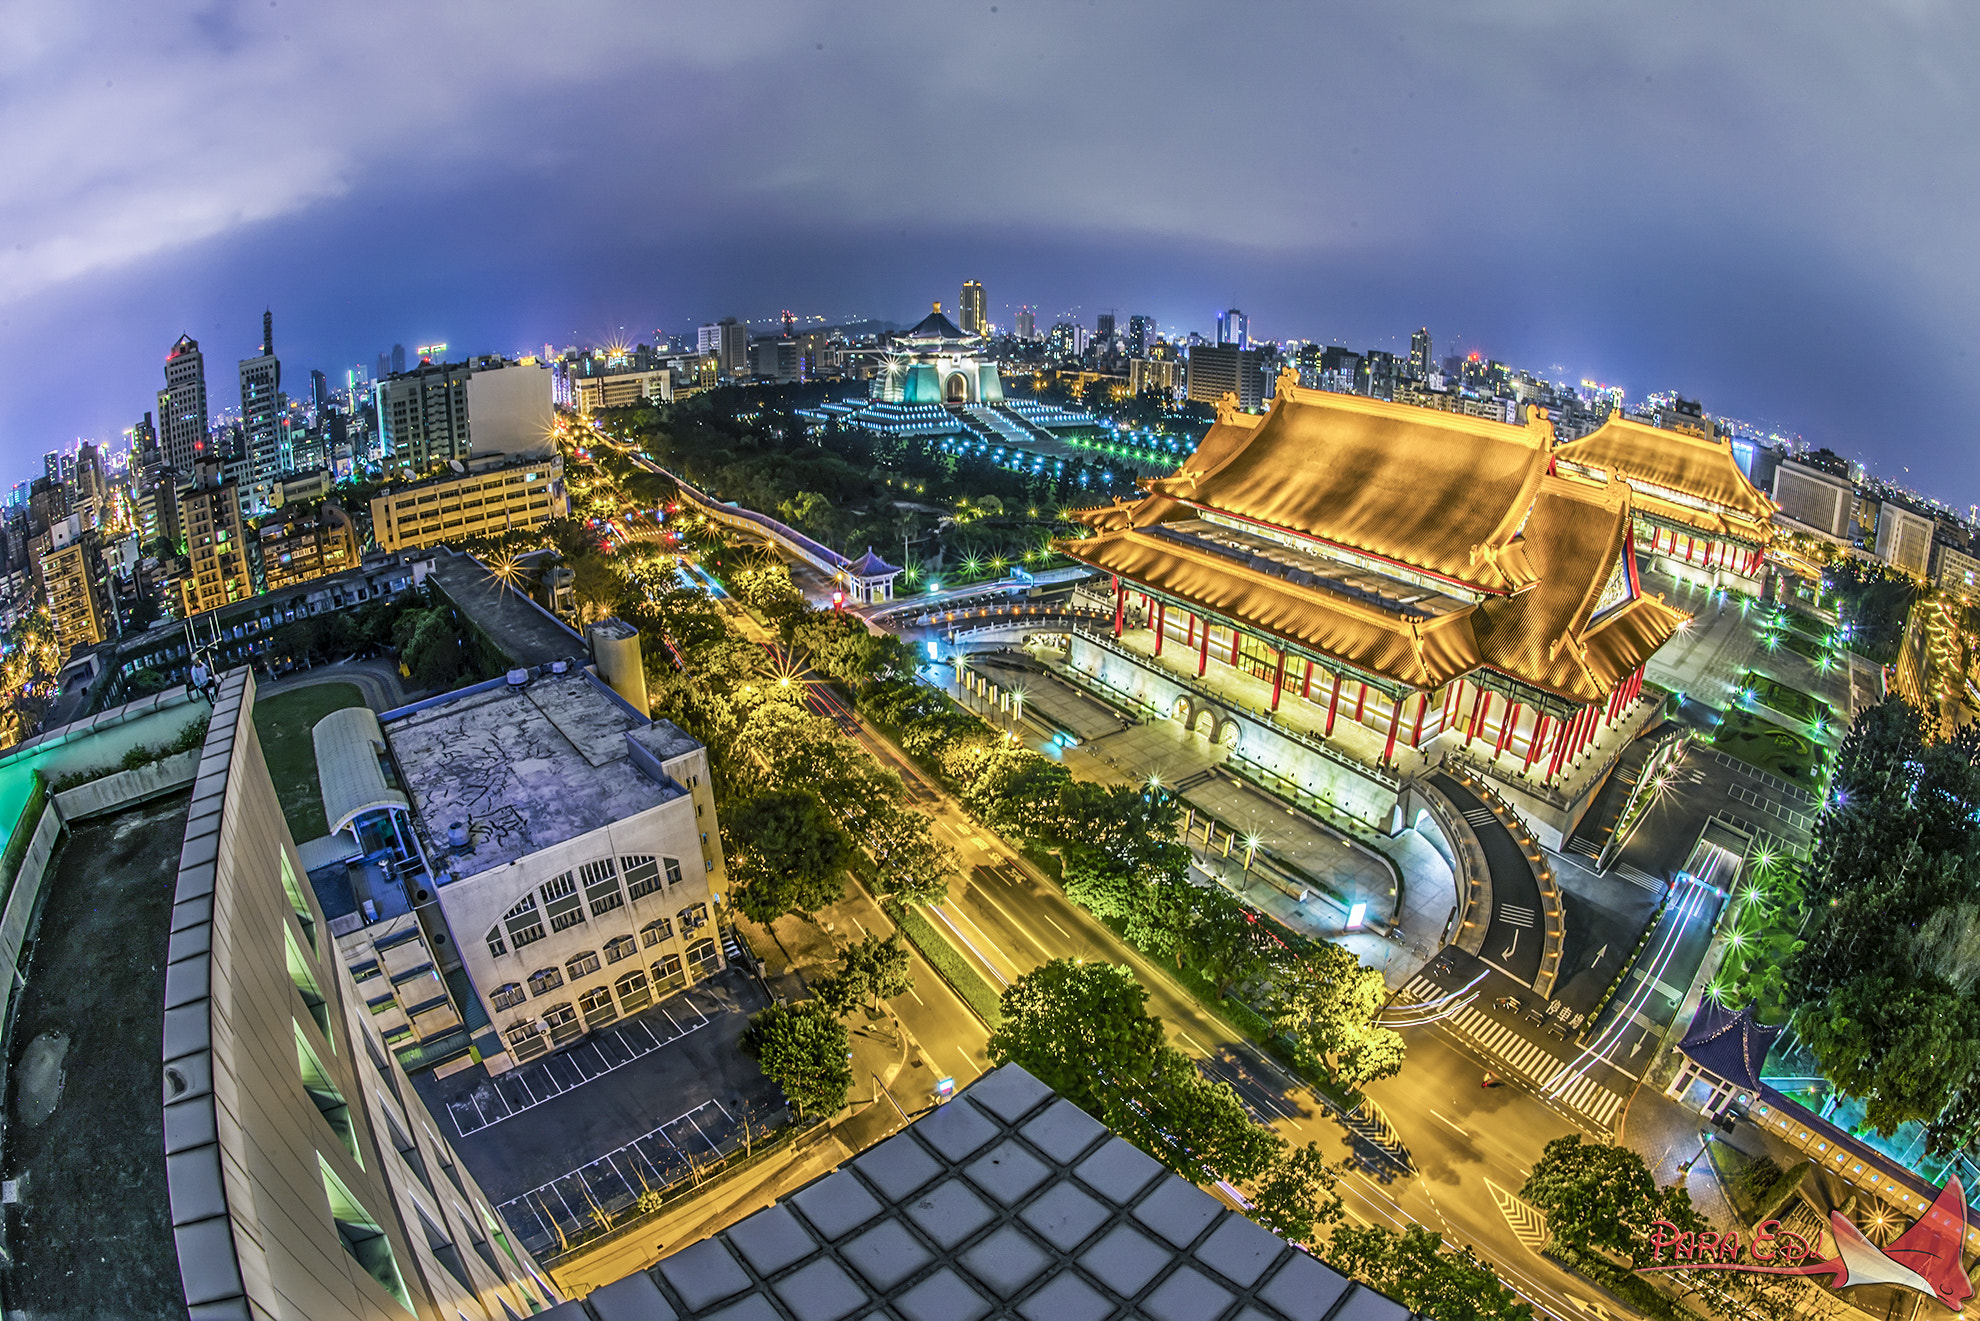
(1598, 956)
(1527, 1224)
(1508, 953)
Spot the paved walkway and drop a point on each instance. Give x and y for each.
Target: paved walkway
(378, 680)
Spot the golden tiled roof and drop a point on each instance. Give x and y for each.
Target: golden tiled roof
(1545, 637)
(1697, 466)
(1424, 653)
(1438, 492)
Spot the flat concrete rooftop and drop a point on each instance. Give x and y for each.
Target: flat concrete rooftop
(527, 767)
(526, 633)
(86, 1118)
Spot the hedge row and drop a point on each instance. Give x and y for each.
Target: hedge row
(952, 967)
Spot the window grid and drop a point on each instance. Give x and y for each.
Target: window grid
(642, 875)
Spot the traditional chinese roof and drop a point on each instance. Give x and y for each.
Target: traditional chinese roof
(1370, 575)
(1729, 1043)
(1436, 492)
(1561, 635)
(935, 326)
(1657, 462)
(870, 565)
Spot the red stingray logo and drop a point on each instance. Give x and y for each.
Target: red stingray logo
(1925, 1257)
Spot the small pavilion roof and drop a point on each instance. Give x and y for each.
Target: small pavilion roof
(1702, 467)
(1730, 1043)
(870, 565)
(1437, 492)
(347, 746)
(937, 326)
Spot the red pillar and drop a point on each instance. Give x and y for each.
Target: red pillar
(1422, 705)
(1560, 746)
(1306, 690)
(1120, 606)
(1361, 703)
(1161, 619)
(1479, 704)
(1235, 636)
(1191, 640)
(1333, 704)
(1505, 729)
(1395, 719)
(1203, 651)
(1278, 680)
(1534, 744)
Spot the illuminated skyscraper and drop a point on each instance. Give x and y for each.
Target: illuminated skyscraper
(1233, 328)
(971, 305)
(1419, 354)
(261, 406)
(182, 424)
(1140, 335)
(1027, 324)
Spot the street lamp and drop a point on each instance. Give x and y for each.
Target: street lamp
(1251, 843)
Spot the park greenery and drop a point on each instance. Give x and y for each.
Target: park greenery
(1882, 987)
(1418, 1271)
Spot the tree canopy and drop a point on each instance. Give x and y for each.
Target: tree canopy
(803, 1049)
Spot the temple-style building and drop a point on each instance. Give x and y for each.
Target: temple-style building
(1343, 583)
(936, 363)
(1697, 516)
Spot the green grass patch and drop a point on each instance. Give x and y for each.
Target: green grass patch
(949, 963)
(1790, 702)
(1779, 751)
(284, 723)
(1806, 648)
(1803, 625)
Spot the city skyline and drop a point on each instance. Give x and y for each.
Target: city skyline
(1678, 201)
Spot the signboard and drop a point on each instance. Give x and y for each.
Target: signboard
(1925, 1257)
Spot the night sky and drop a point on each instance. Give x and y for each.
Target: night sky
(1770, 208)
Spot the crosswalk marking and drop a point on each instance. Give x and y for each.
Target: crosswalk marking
(1517, 916)
(1539, 1066)
(1638, 877)
(1480, 816)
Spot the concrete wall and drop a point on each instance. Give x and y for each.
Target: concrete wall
(22, 901)
(1364, 796)
(127, 788)
(246, 1145)
(101, 740)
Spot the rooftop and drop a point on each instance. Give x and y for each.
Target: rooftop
(526, 767)
(86, 1120)
(1005, 1202)
(524, 632)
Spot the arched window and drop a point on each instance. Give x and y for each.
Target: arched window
(583, 965)
(601, 886)
(597, 1007)
(620, 947)
(702, 958)
(525, 924)
(563, 1021)
(545, 980)
(642, 874)
(654, 932)
(496, 947)
(692, 916)
(508, 996)
(634, 993)
(526, 1040)
(562, 904)
(667, 973)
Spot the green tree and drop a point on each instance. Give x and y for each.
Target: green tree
(1296, 1194)
(803, 1049)
(1415, 1269)
(1600, 1195)
(787, 855)
(1327, 1002)
(870, 969)
(1081, 1029)
(1194, 1124)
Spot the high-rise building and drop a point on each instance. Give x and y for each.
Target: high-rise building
(210, 513)
(51, 465)
(1419, 355)
(261, 406)
(90, 481)
(1216, 370)
(1027, 324)
(72, 571)
(1103, 329)
(727, 341)
(398, 357)
(441, 412)
(382, 368)
(304, 545)
(319, 392)
(144, 444)
(971, 307)
(182, 422)
(1233, 328)
(1140, 335)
